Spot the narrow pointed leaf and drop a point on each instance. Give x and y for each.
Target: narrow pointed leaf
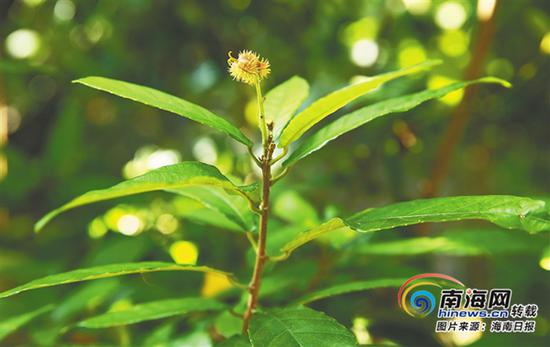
(329, 104)
(233, 208)
(511, 212)
(151, 311)
(459, 242)
(350, 288)
(195, 211)
(165, 178)
(298, 327)
(105, 271)
(282, 101)
(9, 325)
(366, 114)
(166, 102)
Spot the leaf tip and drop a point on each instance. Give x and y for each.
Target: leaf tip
(491, 79)
(38, 226)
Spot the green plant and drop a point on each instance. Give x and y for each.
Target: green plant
(248, 205)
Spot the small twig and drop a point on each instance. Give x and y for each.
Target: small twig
(256, 160)
(280, 156)
(280, 175)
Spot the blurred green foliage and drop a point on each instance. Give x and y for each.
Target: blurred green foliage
(65, 139)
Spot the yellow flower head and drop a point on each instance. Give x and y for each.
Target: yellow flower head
(248, 67)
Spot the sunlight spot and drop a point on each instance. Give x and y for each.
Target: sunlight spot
(545, 43)
(360, 331)
(33, 3)
(149, 158)
(14, 119)
(365, 28)
(485, 9)
(162, 157)
(410, 53)
(438, 81)
(214, 283)
(129, 224)
(417, 7)
(184, 252)
(205, 150)
(364, 52)
(167, 223)
(545, 263)
(450, 15)
(453, 43)
(97, 28)
(97, 228)
(64, 10)
(23, 43)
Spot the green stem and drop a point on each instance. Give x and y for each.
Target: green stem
(261, 113)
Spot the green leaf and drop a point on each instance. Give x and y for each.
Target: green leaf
(105, 271)
(325, 106)
(90, 294)
(300, 327)
(151, 311)
(235, 341)
(310, 235)
(350, 288)
(166, 102)
(8, 326)
(457, 243)
(165, 178)
(282, 101)
(510, 212)
(232, 207)
(366, 114)
(293, 208)
(195, 211)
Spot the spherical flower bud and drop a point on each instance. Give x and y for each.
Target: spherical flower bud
(248, 68)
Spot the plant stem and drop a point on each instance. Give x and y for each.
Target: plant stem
(261, 257)
(263, 125)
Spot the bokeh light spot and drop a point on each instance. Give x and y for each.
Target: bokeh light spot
(410, 53)
(33, 3)
(23, 43)
(129, 224)
(214, 283)
(184, 252)
(97, 228)
(453, 43)
(545, 44)
(450, 15)
(365, 28)
(364, 52)
(438, 81)
(485, 9)
(205, 150)
(417, 7)
(167, 223)
(64, 10)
